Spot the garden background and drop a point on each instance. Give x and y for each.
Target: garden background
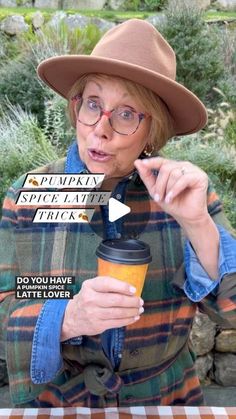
(33, 122)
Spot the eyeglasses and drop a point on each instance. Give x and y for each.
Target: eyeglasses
(124, 119)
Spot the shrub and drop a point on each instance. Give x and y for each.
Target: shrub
(147, 5)
(18, 80)
(230, 132)
(197, 47)
(61, 40)
(132, 5)
(9, 48)
(19, 85)
(57, 127)
(219, 161)
(153, 5)
(221, 121)
(23, 146)
(227, 83)
(214, 151)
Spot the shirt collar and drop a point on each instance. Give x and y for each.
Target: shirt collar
(74, 164)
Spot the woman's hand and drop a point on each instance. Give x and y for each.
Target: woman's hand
(180, 187)
(102, 303)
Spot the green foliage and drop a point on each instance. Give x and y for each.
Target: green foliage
(215, 158)
(57, 127)
(214, 150)
(147, 5)
(197, 47)
(217, 15)
(9, 48)
(230, 132)
(220, 119)
(21, 3)
(114, 15)
(132, 5)
(60, 40)
(227, 83)
(23, 146)
(153, 5)
(19, 83)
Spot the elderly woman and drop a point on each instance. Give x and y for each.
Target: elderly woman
(107, 346)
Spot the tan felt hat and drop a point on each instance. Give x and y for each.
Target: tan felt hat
(136, 51)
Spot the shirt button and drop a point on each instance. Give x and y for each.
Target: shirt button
(134, 353)
(118, 236)
(118, 196)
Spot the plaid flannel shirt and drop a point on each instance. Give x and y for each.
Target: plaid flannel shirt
(157, 365)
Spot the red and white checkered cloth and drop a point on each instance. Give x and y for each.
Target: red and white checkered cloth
(150, 412)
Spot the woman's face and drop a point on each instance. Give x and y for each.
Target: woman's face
(120, 150)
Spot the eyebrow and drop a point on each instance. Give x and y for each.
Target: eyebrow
(100, 88)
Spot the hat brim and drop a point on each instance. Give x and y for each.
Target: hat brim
(187, 111)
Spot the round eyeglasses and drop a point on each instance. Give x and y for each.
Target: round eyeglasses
(124, 119)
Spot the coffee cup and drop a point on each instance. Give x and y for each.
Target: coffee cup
(126, 260)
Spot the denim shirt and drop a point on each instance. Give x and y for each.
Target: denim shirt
(46, 360)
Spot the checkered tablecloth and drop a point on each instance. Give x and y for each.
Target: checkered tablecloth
(150, 412)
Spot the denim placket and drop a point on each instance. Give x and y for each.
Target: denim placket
(113, 339)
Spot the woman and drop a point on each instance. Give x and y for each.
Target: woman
(106, 346)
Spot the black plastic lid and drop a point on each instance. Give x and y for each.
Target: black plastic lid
(127, 252)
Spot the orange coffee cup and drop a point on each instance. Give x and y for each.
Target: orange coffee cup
(126, 260)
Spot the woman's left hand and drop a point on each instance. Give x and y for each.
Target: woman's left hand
(180, 188)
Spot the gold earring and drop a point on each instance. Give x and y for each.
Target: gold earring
(148, 150)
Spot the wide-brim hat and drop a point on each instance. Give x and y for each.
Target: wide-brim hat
(136, 51)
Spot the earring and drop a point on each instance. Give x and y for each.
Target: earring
(148, 150)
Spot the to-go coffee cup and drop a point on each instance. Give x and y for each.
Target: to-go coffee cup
(126, 260)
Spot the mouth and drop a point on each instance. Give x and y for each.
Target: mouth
(98, 155)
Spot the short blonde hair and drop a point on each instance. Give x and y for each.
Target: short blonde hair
(161, 127)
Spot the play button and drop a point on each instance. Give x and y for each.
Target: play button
(116, 209)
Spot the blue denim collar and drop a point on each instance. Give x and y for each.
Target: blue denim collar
(74, 164)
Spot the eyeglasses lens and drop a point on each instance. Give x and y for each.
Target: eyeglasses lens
(123, 119)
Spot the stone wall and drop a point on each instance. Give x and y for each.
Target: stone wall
(15, 25)
(216, 351)
(99, 4)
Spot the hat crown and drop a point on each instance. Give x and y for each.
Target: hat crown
(128, 42)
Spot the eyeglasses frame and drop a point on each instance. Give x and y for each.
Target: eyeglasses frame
(141, 116)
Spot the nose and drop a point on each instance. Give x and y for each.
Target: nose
(103, 128)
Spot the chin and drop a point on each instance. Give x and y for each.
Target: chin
(97, 168)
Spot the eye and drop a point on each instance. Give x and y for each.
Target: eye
(93, 105)
(126, 114)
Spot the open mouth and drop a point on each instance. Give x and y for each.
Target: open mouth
(98, 155)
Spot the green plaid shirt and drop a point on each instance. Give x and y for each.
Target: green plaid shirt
(157, 365)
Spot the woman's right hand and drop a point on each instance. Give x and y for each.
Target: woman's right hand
(102, 303)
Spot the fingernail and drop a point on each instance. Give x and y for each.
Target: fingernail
(141, 310)
(168, 197)
(157, 197)
(132, 290)
(137, 318)
(141, 302)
